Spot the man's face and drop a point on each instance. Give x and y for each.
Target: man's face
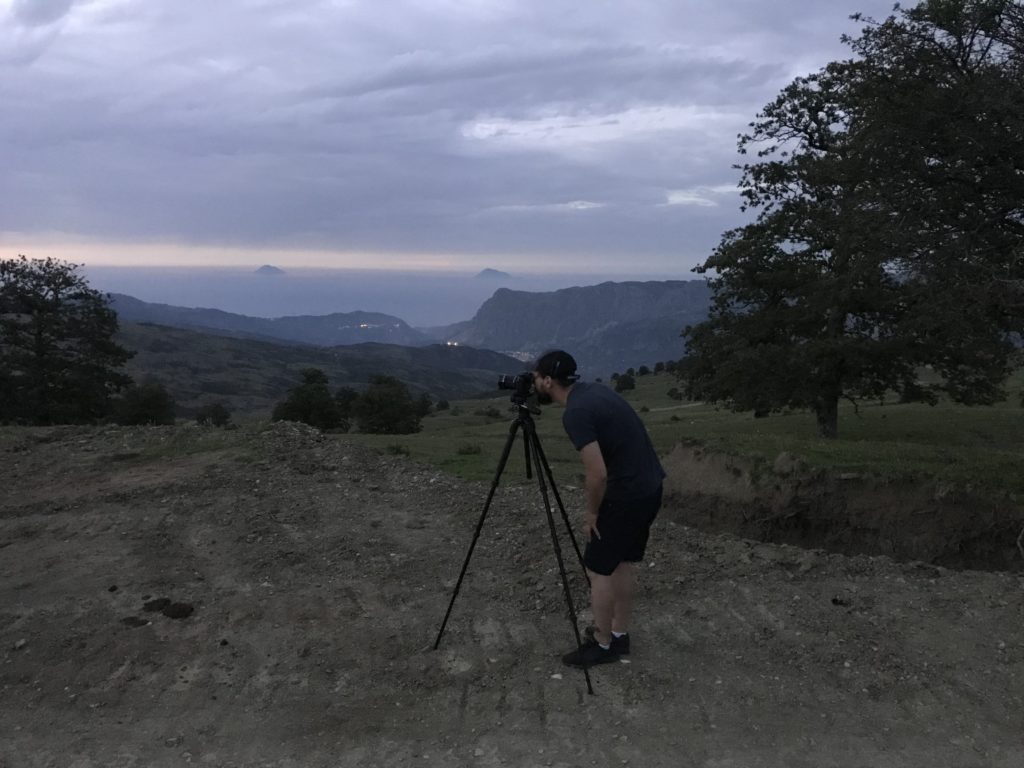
(543, 386)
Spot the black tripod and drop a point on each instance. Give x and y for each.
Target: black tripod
(534, 452)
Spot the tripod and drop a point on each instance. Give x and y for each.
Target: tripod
(534, 452)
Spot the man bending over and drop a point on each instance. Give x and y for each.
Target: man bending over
(622, 490)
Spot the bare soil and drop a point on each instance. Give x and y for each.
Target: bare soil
(174, 596)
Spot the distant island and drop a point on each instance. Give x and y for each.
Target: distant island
(269, 269)
(493, 274)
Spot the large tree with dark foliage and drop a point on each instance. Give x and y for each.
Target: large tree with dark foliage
(58, 360)
(311, 402)
(386, 407)
(890, 230)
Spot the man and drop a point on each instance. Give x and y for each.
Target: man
(622, 493)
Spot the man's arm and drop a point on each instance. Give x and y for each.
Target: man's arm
(595, 480)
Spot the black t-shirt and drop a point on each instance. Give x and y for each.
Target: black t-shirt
(594, 412)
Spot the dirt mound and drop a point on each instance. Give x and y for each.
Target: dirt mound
(318, 572)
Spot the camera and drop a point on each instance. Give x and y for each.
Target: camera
(521, 384)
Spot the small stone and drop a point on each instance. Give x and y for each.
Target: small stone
(112, 588)
(18, 645)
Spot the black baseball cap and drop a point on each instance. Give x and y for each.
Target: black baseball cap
(557, 364)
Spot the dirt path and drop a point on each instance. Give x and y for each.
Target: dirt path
(318, 574)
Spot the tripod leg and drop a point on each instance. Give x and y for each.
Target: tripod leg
(529, 462)
(479, 526)
(530, 434)
(561, 507)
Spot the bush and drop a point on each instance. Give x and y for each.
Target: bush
(311, 403)
(147, 403)
(469, 449)
(442, 405)
(489, 413)
(345, 398)
(675, 394)
(423, 405)
(644, 409)
(624, 382)
(397, 449)
(659, 367)
(215, 415)
(387, 408)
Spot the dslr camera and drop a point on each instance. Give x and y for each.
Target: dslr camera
(521, 384)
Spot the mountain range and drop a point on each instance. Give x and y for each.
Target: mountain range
(608, 327)
(323, 330)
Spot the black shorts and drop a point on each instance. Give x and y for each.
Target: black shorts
(624, 527)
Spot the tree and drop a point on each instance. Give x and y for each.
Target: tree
(148, 403)
(643, 370)
(387, 408)
(346, 397)
(215, 414)
(659, 367)
(58, 360)
(423, 405)
(625, 382)
(311, 403)
(890, 199)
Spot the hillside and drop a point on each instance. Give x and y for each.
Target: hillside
(271, 597)
(607, 327)
(323, 330)
(250, 375)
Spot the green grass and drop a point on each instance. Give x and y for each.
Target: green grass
(981, 447)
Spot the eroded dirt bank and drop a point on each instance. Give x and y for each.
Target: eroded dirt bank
(846, 513)
(317, 573)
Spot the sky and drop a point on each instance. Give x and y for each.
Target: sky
(523, 135)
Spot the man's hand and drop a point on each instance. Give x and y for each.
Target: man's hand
(590, 524)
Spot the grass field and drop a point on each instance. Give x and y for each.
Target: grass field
(980, 447)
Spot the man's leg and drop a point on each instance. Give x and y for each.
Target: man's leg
(623, 586)
(602, 603)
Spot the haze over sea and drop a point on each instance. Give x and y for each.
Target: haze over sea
(425, 298)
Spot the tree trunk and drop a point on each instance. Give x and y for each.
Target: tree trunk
(827, 411)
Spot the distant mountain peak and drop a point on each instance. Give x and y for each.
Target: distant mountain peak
(269, 269)
(493, 274)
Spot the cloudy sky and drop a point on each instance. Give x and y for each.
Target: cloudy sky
(581, 136)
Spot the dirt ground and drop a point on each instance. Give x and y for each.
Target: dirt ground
(175, 596)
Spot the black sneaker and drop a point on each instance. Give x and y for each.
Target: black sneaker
(619, 644)
(589, 655)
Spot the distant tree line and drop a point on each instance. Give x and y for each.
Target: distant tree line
(889, 235)
(623, 382)
(385, 407)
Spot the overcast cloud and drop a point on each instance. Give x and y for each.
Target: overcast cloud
(580, 135)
